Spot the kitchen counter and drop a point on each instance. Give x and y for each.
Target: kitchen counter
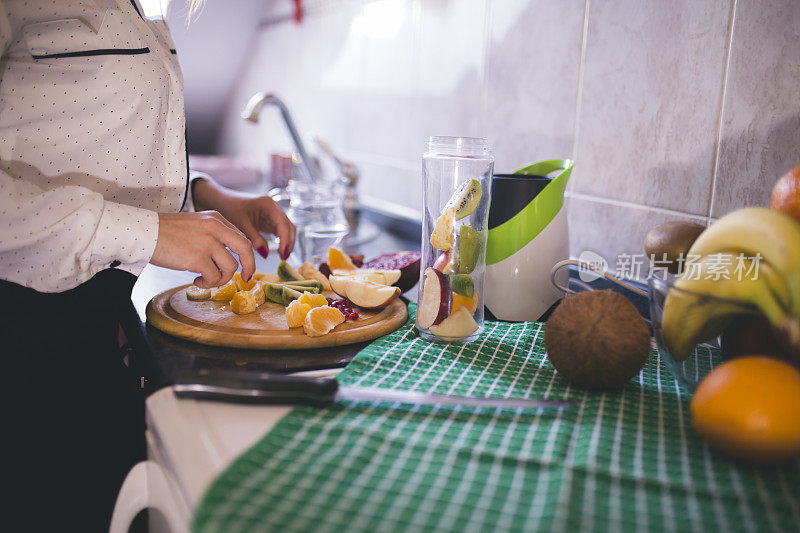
(191, 442)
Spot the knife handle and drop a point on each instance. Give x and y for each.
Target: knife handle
(256, 387)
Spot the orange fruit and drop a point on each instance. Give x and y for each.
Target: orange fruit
(313, 300)
(459, 300)
(226, 292)
(786, 194)
(338, 260)
(296, 313)
(749, 408)
(245, 302)
(443, 236)
(241, 284)
(320, 320)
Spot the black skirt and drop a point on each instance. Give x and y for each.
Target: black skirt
(74, 409)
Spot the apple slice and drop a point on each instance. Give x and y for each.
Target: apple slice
(444, 263)
(375, 277)
(436, 299)
(370, 295)
(457, 326)
(339, 285)
(384, 277)
(392, 276)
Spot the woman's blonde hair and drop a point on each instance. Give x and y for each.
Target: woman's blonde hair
(194, 7)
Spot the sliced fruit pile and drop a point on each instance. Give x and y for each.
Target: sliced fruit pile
(370, 288)
(448, 300)
(244, 296)
(400, 269)
(300, 289)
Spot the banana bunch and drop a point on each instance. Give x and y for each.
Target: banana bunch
(702, 302)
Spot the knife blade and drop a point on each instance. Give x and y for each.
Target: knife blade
(266, 388)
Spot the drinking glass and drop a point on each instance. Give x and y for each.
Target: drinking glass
(315, 208)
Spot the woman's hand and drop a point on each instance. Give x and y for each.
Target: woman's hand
(199, 242)
(251, 214)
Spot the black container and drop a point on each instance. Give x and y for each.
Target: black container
(511, 193)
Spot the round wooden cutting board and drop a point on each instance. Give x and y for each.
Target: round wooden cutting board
(211, 322)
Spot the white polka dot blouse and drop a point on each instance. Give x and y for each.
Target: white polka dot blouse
(92, 139)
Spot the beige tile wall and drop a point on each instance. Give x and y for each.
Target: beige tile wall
(673, 110)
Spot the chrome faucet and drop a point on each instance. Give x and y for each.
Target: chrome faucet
(251, 112)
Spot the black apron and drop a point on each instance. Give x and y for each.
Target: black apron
(76, 411)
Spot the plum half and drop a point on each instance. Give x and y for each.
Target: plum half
(406, 262)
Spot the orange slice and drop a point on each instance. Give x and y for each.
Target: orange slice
(313, 300)
(459, 300)
(320, 320)
(309, 271)
(245, 302)
(443, 236)
(241, 284)
(260, 275)
(338, 260)
(296, 313)
(225, 293)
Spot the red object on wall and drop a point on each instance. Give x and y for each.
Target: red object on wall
(298, 11)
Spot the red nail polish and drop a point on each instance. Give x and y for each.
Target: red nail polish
(263, 252)
(284, 253)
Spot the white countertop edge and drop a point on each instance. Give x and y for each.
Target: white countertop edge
(197, 440)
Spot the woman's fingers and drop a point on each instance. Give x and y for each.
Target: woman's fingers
(257, 240)
(240, 245)
(210, 276)
(226, 263)
(197, 242)
(276, 221)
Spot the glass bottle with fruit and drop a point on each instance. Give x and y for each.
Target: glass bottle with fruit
(456, 174)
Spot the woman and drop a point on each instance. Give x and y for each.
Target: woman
(94, 178)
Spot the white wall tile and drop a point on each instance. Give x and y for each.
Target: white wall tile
(532, 80)
(652, 84)
(760, 137)
(451, 64)
(385, 33)
(613, 230)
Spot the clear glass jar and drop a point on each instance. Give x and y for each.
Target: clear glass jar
(456, 181)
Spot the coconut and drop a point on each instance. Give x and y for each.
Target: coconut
(597, 340)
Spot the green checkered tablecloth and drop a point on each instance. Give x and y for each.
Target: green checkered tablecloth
(623, 461)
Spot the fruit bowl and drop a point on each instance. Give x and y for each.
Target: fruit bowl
(705, 353)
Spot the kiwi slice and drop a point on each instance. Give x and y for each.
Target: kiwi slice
(290, 294)
(302, 283)
(469, 249)
(306, 285)
(287, 272)
(274, 292)
(462, 284)
(466, 198)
